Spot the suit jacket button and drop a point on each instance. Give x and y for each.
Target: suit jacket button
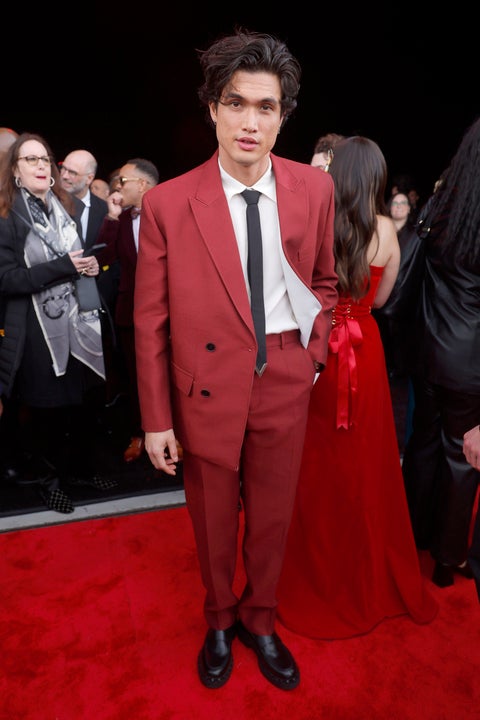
(211, 347)
(205, 393)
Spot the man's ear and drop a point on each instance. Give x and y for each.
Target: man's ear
(213, 112)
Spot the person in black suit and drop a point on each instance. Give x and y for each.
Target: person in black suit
(77, 172)
(119, 232)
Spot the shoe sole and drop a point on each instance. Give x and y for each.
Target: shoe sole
(210, 681)
(265, 669)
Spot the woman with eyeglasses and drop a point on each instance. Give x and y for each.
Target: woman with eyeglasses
(50, 351)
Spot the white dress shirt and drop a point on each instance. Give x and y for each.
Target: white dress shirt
(85, 212)
(289, 304)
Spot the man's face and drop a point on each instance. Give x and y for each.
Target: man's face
(74, 176)
(248, 119)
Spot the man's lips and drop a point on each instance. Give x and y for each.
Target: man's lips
(247, 143)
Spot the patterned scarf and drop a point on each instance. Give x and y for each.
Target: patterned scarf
(66, 330)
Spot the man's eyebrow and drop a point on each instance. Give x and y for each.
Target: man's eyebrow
(231, 95)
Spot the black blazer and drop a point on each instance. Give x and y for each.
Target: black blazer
(447, 335)
(98, 210)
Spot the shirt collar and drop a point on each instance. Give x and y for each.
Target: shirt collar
(265, 185)
(86, 199)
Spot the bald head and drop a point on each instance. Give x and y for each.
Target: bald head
(82, 159)
(77, 172)
(7, 138)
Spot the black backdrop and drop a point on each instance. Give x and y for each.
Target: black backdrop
(124, 85)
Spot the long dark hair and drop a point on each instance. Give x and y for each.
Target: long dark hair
(458, 196)
(359, 172)
(8, 189)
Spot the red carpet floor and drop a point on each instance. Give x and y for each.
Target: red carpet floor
(102, 620)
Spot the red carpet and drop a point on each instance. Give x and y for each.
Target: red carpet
(102, 620)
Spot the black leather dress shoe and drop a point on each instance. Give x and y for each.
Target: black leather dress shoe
(215, 661)
(274, 659)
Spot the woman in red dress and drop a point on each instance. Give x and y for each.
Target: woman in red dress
(351, 559)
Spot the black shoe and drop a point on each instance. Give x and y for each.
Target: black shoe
(28, 469)
(95, 481)
(215, 661)
(56, 499)
(443, 575)
(274, 659)
(464, 570)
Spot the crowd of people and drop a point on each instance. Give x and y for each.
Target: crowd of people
(61, 364)
(279, 411)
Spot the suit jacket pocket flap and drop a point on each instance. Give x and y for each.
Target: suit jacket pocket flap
(182, 379)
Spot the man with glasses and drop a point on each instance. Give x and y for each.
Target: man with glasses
(77, 173)
(120, 233)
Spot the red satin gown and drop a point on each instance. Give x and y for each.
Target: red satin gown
(351, 559)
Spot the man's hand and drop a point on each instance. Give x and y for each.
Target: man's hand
(114, 202)
(162, 450)
(471, 446)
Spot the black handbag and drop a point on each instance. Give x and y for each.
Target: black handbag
(86, 292)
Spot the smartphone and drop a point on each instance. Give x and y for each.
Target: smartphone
(92, 250)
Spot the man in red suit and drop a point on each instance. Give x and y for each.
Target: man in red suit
(241, 431)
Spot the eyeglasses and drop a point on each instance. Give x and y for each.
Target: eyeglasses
(399, 202)
(35, 159)
(73, 173)
(123, 180)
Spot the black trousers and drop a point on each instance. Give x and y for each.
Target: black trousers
(63, 436)
(440, 484)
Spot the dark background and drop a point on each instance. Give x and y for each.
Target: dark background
(125, 85)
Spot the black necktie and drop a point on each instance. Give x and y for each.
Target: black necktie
(255, 275)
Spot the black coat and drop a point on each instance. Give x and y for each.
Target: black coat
(98, 210)
(447, 332)
(17, 284)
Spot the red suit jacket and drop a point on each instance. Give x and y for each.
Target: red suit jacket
(194, 334)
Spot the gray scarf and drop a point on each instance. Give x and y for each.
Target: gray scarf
(66, 330)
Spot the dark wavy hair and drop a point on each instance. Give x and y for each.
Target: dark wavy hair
(253, 52)
(8, 189)
(359, 172)
(458, 197)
